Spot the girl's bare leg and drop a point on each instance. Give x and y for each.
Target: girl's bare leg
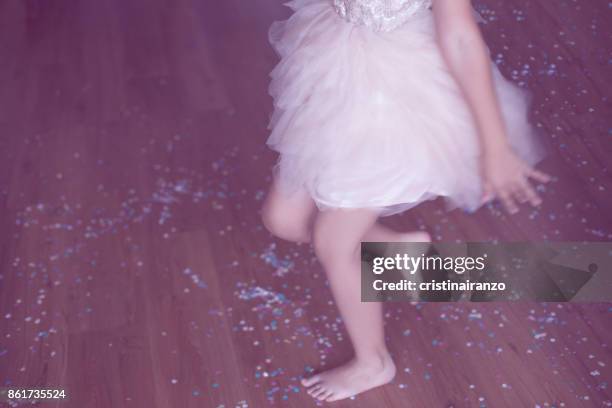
(336, 237)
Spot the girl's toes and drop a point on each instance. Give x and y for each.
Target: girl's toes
(320, 391)
(321, 394)
(325, 396)
(307, 382)
(313, 391)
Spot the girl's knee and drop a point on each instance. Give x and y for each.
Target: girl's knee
(337, 235)
(331, 247)
(281, 225)
(272, 221)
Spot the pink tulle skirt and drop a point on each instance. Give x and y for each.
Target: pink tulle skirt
(366, 119)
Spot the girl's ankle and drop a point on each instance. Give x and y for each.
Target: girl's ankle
(374, 358)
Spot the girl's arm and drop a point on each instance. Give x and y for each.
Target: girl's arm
(504, 174)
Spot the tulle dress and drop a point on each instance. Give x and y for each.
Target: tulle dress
(367, 113)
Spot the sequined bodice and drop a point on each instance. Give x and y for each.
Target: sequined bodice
(380, 15)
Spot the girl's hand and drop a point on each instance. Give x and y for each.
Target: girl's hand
(506, 177)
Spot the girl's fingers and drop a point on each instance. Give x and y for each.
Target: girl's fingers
(487, 191)
(520, 196)
(507, 201)
(539, 176)
(530, 194)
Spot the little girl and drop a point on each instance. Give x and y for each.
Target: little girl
(379, 106)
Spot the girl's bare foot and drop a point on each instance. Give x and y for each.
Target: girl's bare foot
(350, 379)
(414, 236)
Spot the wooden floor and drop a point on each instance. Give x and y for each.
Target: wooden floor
(134, 270)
